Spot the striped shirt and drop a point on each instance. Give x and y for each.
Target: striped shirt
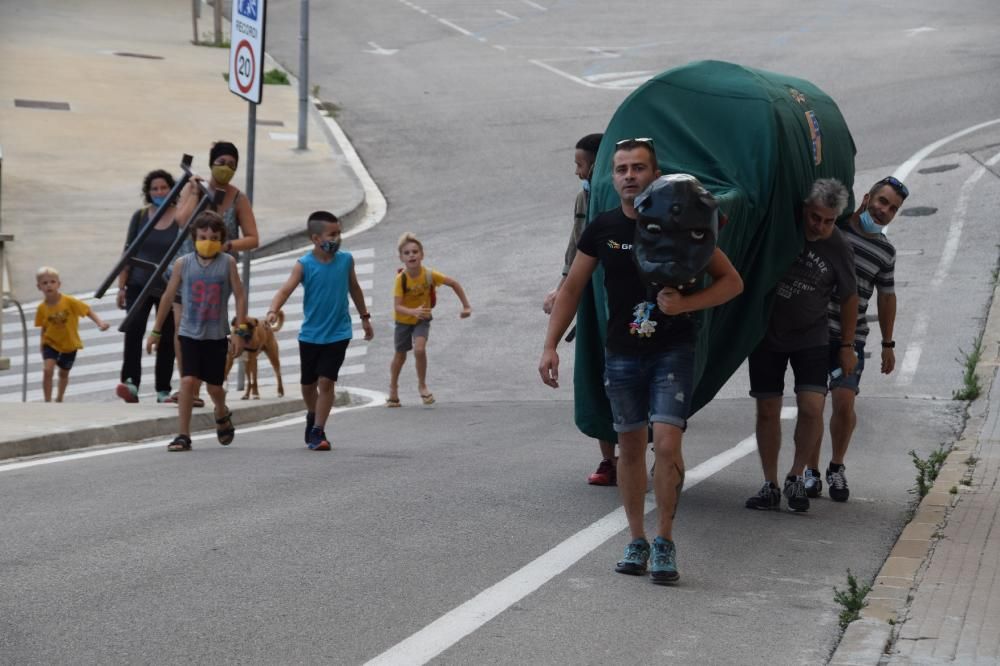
(874, 266)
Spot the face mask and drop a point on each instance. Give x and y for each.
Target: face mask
(223, 174)
(586, 185)
(208, 248)
(869, 226)
(158, 201)
(329, 246)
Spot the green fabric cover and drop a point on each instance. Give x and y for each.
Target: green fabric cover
(747, 135)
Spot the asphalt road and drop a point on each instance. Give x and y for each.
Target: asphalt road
(266, 553)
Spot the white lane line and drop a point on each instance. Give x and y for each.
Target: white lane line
(906, 167)
(508, 15)
(446, 22)
(535, 5)
(607, 76)
(566, 75)
(914, 349)
(376, 399)
(458, 623)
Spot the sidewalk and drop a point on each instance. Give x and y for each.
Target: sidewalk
(937, 598)
(139, 95)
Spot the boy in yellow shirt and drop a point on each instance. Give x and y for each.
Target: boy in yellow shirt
(413, 295)
(58, 317)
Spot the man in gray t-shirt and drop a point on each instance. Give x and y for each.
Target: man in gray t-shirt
(798, 334)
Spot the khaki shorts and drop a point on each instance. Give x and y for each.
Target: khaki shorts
(406, 332)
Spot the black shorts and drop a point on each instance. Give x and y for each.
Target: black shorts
(767, 370)
(317, 361)
(63, 359)
(204, 359)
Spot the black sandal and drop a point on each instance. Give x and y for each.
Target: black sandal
(228, 433)
(180, 443)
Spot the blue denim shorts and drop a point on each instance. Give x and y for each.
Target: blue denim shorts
(852, 380)
(649, 388)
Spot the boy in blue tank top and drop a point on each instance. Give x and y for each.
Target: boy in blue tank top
(327, 277)
(205, 278)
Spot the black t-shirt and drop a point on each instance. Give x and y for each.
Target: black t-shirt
(799, 320)
(154, 247)
(609, 239)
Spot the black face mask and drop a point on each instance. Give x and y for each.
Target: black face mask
(677, 231)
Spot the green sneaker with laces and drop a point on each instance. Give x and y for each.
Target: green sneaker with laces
(663, 567)
(162, 396)
(636, 556)
(127, 391)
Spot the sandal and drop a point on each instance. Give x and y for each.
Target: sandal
(228, 433)
(180, 443)
(428, 398)
(197, 402)
(392, 402)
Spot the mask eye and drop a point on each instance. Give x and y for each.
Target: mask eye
(698, 235)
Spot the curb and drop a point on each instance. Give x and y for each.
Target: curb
(869, 639)
(73, 437)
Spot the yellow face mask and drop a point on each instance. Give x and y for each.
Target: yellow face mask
(222, 174)
(208, 248)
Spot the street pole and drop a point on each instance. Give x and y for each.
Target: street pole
(251, 150)
(217, 21)
(303, 72)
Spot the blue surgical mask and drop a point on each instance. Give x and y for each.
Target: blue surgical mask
(157, 201)
(869, 226)
(586, 185)
(329, 246)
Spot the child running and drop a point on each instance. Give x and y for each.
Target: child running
(327, 276)
(58, 316)
(414, 298)
(205, 279)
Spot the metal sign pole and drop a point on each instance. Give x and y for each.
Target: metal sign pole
(251, 150)
(303, 72)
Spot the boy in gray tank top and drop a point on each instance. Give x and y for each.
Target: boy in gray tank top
(205, 278)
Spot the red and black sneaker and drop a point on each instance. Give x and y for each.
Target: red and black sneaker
(606, 474)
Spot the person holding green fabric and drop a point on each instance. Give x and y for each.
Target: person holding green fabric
(874, 265)
(583, 159)
(797, 334)
(649, 364)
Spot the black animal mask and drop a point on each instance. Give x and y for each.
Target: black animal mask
(677, 231)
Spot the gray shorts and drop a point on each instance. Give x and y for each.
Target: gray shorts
(406, 332)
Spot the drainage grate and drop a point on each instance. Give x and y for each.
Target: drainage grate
(271, 123)
(938, 169)
(38, 104)
(918, 211)
(126, 54)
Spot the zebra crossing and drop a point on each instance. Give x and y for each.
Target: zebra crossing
(96, 371)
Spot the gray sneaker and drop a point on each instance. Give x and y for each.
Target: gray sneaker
(795, 493)
(837, 480)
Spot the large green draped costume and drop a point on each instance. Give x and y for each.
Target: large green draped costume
(757, 140)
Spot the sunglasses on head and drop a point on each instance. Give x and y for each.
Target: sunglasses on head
(644, 140)
(895, 184)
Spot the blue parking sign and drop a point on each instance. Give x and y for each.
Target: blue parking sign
(248, 9)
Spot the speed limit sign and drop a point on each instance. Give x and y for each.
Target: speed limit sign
(246, 50)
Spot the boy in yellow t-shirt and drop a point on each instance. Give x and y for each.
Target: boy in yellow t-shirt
(58, 317)
(413, 295)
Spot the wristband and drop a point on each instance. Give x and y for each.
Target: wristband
(847, 345)
(888, 345)
(367, 315)
(154, 334)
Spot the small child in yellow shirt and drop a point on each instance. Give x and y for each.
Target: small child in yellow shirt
(413, 295)
(58, 316)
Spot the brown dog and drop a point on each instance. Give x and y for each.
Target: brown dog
(261, 338)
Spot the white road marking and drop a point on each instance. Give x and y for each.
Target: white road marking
(508, 15)
(914, 349)
(535, 5)
(376, 400)
(909, 165)
(916, 31)
(458, 623)
(449, 24)
(567, 75)
(378, 50)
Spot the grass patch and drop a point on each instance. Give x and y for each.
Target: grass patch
(275, 77)
(331, 109)
(271, 76)
(971, 388)
(852, 600)
(208, 39)
(928, 469)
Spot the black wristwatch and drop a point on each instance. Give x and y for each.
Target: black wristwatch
(366, 315)
(890, 344)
